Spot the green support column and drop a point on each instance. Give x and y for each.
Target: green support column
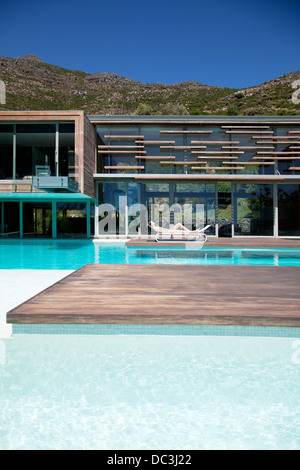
(54, 220)
(2, 218)
(21, 218)
(88, 219)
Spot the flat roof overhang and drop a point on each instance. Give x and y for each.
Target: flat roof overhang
(39, 116)
(44, 197)
(192, 120)
(207, 178)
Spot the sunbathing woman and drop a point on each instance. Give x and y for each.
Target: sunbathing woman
(175, 228)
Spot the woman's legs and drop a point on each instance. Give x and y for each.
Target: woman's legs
(183, 228)
(180, 227)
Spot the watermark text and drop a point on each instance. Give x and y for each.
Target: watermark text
(296, 94)
(2, 92)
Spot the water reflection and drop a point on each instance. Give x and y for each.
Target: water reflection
(220, 256)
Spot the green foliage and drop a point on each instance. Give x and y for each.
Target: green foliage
(34, 85)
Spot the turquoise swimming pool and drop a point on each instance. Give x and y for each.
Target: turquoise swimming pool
(131, 387)
(149, 392)
(72, 254)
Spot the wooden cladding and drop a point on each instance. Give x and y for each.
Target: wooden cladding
(122, 152)
(182, 163)
(253, 147)
(123, 167)
(186, 132)
(276, 158)
(245, 127)
(256, 143)
(248, 132)
(182, 147)
(155, 142)
(252, 163)
(112, 147)
(215, 157)
(123, 137)
(218, 168)
(214, 142)
(143, 157)
(221, 152)
(274, 137)
(278, 153)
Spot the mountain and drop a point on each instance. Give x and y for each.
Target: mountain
(32, 84)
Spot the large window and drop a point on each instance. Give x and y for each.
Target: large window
(156, 198)
(125, 208)
(197, 204)
(67, 164)
(6, 151)
(71, 220)
(35, 151)
(253, 209)
(289, 209)
(224, 209)
(28, 150)
(112, 200)
(10, 219)
(37, 219)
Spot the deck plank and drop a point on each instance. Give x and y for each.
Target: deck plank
(226, 242)
(168, 294)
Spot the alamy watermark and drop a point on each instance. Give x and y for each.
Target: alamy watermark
(137, 219)
(296, 94)
(296, 353)
(2, 92)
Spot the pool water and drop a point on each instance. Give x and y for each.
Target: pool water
(124, 390)
(73, 254)
(149, 392)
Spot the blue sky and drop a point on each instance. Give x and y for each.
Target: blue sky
(233, 43)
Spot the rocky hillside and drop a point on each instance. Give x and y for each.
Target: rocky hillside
(32, 84)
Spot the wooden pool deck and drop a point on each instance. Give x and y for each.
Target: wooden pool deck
(168, 294)
(264, 242)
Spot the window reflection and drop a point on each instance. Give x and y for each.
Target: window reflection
(289, 209)
(35, 148)
(6, 151)
(253, 209)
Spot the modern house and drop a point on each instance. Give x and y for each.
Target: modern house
(62, 173)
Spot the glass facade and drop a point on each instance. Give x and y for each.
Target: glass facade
(67, 162)
(125, 208)
(289, 210)
(224, 209)
(35, 152)
(46, 217)
(37, 219)
(202, 171)
(197, 149)
(28, 150)
(197, 202)
(112, 197)
(232, 208)
(253, 209)
(6, 151)
(10, 219)
(71, 219)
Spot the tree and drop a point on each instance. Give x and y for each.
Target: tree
(143, 109)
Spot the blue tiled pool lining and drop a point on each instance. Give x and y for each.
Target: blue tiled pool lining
(163, 330)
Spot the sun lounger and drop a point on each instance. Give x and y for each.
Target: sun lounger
(166, 235)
